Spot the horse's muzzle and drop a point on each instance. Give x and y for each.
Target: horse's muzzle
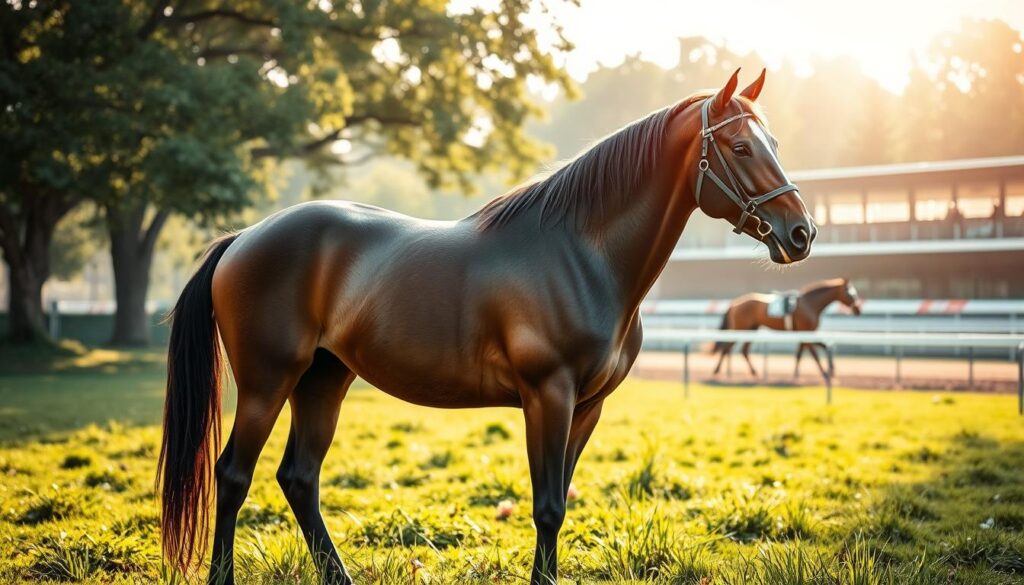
(793, 245)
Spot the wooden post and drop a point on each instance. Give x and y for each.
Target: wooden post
(686, 371)
(970, 368)
(54, 321)
(899, 362)
(830, 351)
(764, 366)
(1020, 379)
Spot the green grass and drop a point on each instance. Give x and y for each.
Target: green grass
(733, 486)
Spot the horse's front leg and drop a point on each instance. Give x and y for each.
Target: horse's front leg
(584, 419)
(811, 348)
(796, 368)
(549, 411)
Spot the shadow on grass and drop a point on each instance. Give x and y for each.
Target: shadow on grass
(758, 383)
(71, 357)
(48, 391)
(964, 520)
(53, 389)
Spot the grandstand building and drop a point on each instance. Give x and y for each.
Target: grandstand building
(941, 230)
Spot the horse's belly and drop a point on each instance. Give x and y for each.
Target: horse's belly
(431, 374)
(447, 396)
(440, 391)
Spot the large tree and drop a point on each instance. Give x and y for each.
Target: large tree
(47, 153)
(157, 108)
(966, 97)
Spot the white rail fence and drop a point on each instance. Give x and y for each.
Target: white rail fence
(684, 340)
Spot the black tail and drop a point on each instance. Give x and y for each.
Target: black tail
(721, 345)
(191, 417)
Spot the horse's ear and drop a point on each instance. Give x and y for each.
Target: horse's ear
(725, 94)
(754, 89)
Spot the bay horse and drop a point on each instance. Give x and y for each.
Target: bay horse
(531, 302)
(750, 312)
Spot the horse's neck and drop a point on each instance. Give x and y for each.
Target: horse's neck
(640, 232)
(820, 298)
(640, 238)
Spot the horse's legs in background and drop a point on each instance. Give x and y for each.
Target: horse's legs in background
(831, 364)
(263, 388)
(583, 422)
(549, 412)
(810, 349)
(315, 404)
(746, 356)
(726, 349)
(799, 353)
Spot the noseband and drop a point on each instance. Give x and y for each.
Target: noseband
(748, 204)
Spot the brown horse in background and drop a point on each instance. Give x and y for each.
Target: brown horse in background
(750, 312)
(531, 303)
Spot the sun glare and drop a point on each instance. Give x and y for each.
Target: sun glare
(880, 35)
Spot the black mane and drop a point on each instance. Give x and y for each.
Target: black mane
(616, 166)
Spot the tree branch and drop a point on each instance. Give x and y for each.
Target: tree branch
(255, 50)
(353, 162)
(315, 145)
(370, 34)
(205, 15)
(153, 231)
(155, 14)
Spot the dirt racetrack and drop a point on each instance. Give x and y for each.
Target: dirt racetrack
(873, 373)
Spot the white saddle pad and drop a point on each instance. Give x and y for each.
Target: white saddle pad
(781, 304)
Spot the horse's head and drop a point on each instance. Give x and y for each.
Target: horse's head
(849, 297)
(738, 176)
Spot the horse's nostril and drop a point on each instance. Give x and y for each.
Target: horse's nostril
(800, 238)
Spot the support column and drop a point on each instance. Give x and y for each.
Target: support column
(1000, 215)
(912, 201)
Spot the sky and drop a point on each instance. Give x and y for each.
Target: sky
(881, 35)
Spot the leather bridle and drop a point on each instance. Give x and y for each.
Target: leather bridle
(748, 204)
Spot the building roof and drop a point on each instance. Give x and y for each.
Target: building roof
(1015, 163)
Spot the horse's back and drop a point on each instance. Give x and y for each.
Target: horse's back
(752, 299)
(282, 278)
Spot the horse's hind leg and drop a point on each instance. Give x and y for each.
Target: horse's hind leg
(263, 387)
(721, 358)
(315, 404)
(746, 356)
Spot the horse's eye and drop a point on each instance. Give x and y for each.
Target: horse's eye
(741, 150)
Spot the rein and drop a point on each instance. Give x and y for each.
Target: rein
(748, 204)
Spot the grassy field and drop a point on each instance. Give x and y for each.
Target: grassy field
(731, 486)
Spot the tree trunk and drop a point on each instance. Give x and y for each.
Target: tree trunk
(26, 234)
(131, 251)
(25, 305)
